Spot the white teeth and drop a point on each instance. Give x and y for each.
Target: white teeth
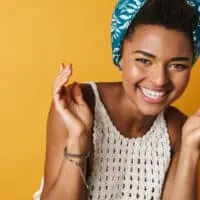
(152, 94)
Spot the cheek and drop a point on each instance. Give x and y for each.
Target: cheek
(132, 74)
(181, 82)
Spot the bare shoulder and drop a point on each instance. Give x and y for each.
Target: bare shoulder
(175, 119)
(107, 91)
(175, 116)
(88, 95)
(109, 86)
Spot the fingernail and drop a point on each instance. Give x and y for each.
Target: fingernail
(62, 66)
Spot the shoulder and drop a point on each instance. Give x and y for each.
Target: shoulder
(175, 120)
(88, 95)
(106, 90)
(109, 90)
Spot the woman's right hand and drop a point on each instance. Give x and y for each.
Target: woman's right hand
(71, 106)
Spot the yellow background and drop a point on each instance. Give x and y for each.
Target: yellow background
(35, 37)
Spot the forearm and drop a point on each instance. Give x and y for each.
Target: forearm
(185, 180)
(69, 184)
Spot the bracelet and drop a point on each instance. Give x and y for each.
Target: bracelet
(78, 164)
(83, 155)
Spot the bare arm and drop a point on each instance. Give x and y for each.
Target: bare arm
(182, 177)
(181, 180)
(60, 175)
(185, 180)
(68, 125)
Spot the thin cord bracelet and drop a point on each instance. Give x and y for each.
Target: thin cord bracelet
(78, 164)
(83, 155)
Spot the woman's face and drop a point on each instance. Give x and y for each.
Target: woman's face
(156, 65)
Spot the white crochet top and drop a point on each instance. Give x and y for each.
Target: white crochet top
(126, 168)
(123, 168)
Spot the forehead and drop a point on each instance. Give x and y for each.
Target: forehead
(159, 41)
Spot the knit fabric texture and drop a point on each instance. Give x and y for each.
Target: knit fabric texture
(125, 168)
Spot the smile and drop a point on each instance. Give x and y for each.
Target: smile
(153, 96)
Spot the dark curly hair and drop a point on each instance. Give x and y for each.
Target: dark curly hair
(172, 14)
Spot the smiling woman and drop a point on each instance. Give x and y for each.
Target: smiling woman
(123, 140)
(156, 70)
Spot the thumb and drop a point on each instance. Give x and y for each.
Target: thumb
(77, 93)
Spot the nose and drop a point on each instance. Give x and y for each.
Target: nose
(159, 76)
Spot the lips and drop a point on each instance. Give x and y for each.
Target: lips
(153, 96)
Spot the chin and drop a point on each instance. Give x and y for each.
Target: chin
(150, 110)
(152, 106)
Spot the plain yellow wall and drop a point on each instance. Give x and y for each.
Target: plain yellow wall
(35, 37)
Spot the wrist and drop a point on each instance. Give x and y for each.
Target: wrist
(190, 143)
(189, 152)
(78, 145)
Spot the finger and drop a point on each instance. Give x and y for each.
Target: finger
(61, 108)
(59, 97)
(57, 89)
(64, 104)
(64, 72)
(69, 117)
(78, 95)
(61, 80)
(61, 67)
(69, 97)
(59, 103)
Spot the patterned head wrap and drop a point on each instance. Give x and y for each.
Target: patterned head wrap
(124, 13)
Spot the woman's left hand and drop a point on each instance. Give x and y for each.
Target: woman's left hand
(191, 132)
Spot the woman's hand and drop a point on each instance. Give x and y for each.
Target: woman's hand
(70, 104)
(191, 132)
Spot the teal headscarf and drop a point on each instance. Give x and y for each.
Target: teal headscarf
(124, 13)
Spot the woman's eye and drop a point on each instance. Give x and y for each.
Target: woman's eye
(143, 60)
(178, 66)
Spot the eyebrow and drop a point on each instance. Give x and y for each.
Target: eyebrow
(153, 56)
(145, 53)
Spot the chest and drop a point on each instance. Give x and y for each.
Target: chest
(127, 169)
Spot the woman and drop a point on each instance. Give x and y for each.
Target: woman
(123, 140)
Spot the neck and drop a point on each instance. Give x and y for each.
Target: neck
(137, 124)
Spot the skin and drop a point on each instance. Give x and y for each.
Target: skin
(71, 113)
(151, 61)
(156, 71)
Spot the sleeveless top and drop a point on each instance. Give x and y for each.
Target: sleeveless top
(123, 168)
(126, 168)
